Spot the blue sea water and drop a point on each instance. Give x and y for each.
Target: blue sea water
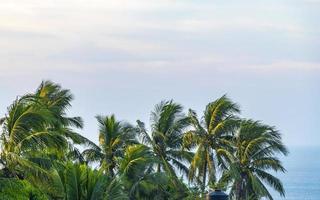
(302, 179)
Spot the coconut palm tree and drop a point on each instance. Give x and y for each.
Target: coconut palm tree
(254, 157)
(58, 100)
(36, 125)
(209, 135)
(167, 126)
(25, 130)
(114, 136)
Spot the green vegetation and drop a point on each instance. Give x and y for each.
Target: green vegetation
(179, 157)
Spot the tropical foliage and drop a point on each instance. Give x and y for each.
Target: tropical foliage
(181, 156)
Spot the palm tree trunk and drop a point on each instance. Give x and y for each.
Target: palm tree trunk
(204, 175)
(240, 189)
(159, 168)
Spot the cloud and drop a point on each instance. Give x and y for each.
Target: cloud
(241, 24)
(287, 66)
(153, 35)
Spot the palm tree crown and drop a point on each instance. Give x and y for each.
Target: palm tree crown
(167, 126)
(114, 136)
(256, 146)
(209, 135)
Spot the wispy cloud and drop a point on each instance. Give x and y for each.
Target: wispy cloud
(149, 35)
(281, 66)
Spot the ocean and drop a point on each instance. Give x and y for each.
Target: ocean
(302, 179)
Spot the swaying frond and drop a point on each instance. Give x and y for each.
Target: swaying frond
(135, 158)
(271, 180)
(219, 110)
(145, 138)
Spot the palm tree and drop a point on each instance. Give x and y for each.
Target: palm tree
(24, 131)
(256, 147)
(208, 136)
(114, 136)
(35, 126)
(167, 126)
(58, 100)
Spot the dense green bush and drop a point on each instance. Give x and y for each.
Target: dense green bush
(15, 189)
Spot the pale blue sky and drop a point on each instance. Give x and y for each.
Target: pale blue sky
(124, 56)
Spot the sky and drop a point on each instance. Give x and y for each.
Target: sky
(124, 56)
